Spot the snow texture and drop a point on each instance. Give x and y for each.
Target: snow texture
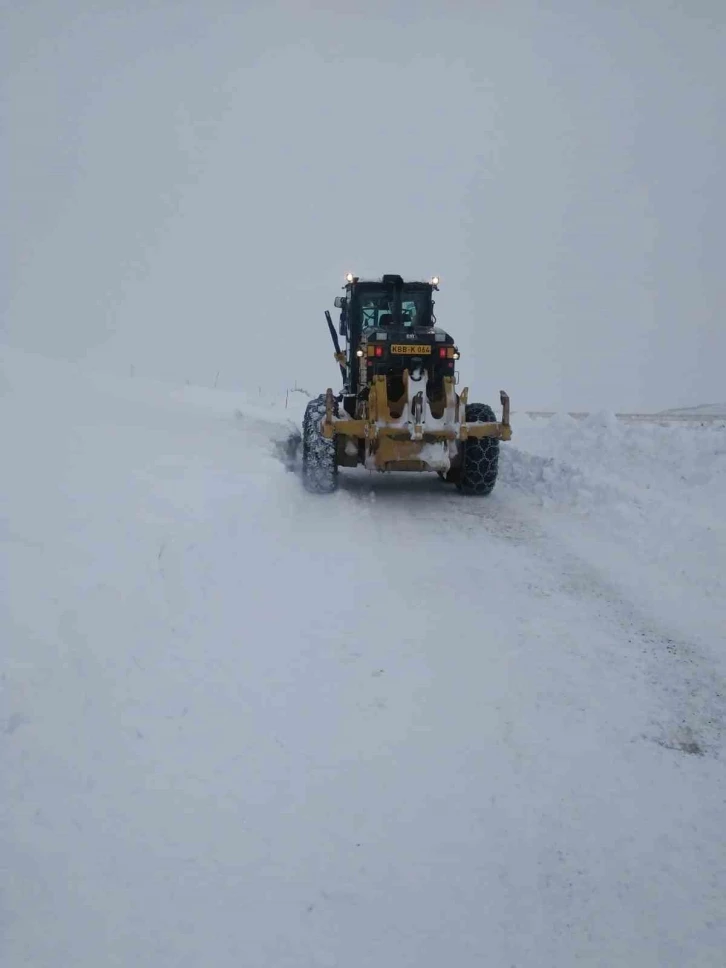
(243, 725)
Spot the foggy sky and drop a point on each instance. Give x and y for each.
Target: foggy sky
(185, 185)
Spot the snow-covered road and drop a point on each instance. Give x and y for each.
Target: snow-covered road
(245, 726)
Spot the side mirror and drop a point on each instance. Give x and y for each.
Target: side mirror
(340, 302)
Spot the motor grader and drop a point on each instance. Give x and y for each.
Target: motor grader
(398, 409)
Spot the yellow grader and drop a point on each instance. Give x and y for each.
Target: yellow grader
(399, 409)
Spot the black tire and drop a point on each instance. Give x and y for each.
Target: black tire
(480, 462)
(319, 466)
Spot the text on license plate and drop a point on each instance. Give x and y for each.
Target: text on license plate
(410, 349)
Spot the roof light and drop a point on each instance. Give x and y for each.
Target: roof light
(349, 277)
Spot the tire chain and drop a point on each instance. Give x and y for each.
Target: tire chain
(481, 455)
(319, 465)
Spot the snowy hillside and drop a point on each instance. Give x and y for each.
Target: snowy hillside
(245, 726)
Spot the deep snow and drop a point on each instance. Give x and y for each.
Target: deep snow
(245, 726)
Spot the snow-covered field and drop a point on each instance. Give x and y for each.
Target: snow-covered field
(245, 726)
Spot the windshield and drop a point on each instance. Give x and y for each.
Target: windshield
(376, 309)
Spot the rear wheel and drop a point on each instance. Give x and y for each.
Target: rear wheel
(480, 460)
(319, 466)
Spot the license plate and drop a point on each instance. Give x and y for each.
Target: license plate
(410, 349)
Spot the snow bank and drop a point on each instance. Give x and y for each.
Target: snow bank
(602, 460)
(656, 492)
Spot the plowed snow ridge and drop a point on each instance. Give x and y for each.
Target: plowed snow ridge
(245, 726)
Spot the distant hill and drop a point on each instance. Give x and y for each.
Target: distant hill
(702, 410)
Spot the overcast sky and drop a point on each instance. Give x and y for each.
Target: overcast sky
(185, 185)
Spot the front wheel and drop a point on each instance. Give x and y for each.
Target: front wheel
(480, 461)
(319, 466)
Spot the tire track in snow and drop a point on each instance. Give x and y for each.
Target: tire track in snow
(688, 686)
